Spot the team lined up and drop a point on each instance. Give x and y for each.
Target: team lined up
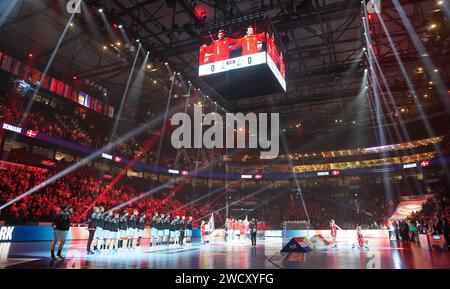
(114, 232)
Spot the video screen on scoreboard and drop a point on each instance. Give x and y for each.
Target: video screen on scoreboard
(232, 48)
(239, 47)
(275, 59)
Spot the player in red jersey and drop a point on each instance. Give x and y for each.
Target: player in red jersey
(249, 42)
(282, 66)
(203, 232)
(221, 47)
(205, 57)
(241, 230)
(333, 232)
(361, 242)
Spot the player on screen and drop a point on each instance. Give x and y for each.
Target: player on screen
(272, 48)
(282, 66)
(220, 47)
(249, 42)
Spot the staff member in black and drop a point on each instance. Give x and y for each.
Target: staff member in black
(61, 226)
(91, 228)
(253, 231)
(182, 225)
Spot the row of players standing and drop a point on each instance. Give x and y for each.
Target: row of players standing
(114, 232)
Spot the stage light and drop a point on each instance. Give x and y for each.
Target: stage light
(138, 40)
(30, 55)
(118, 43)
(425, 96)
(178, 73)
(74, 77)
(149, 66)
(432, 26)
(100, 10)
(71, 24)
(154, 81)
(105, 47)
(120, 26)
(436, 70)
(166, 63)
(430, 83)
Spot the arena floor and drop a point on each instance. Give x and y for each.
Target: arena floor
(221, 255)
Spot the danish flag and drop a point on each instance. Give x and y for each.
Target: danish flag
(258, 176)
(31, 133)
(424, 163)
(117, 159)
(336, 173)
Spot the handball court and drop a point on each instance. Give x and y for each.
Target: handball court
(382, 254)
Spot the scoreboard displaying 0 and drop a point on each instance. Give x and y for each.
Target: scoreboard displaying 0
(226, 53)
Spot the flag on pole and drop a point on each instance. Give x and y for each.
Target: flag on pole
(211, 223)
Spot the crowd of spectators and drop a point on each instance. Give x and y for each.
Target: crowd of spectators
(80, 190)
(433, 219)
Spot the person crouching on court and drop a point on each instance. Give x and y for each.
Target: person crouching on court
(99, 230)
(91, 228)
(141, 227)
(189, 230)
(160, 227)
(132, 229)
(123, 227)
(61, 226)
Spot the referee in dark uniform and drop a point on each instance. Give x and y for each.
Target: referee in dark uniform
(253, 231)
(61, 226)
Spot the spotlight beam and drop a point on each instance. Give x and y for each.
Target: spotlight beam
(49, 64)
(124, 96)
(411, 88)
(165, 120)
(237, 201)
(199, 199)
(6, 11)
(96, 154)
(421, 50)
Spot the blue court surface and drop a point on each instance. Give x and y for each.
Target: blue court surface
(222, 255)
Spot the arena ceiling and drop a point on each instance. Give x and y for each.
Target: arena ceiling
(323, 38)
